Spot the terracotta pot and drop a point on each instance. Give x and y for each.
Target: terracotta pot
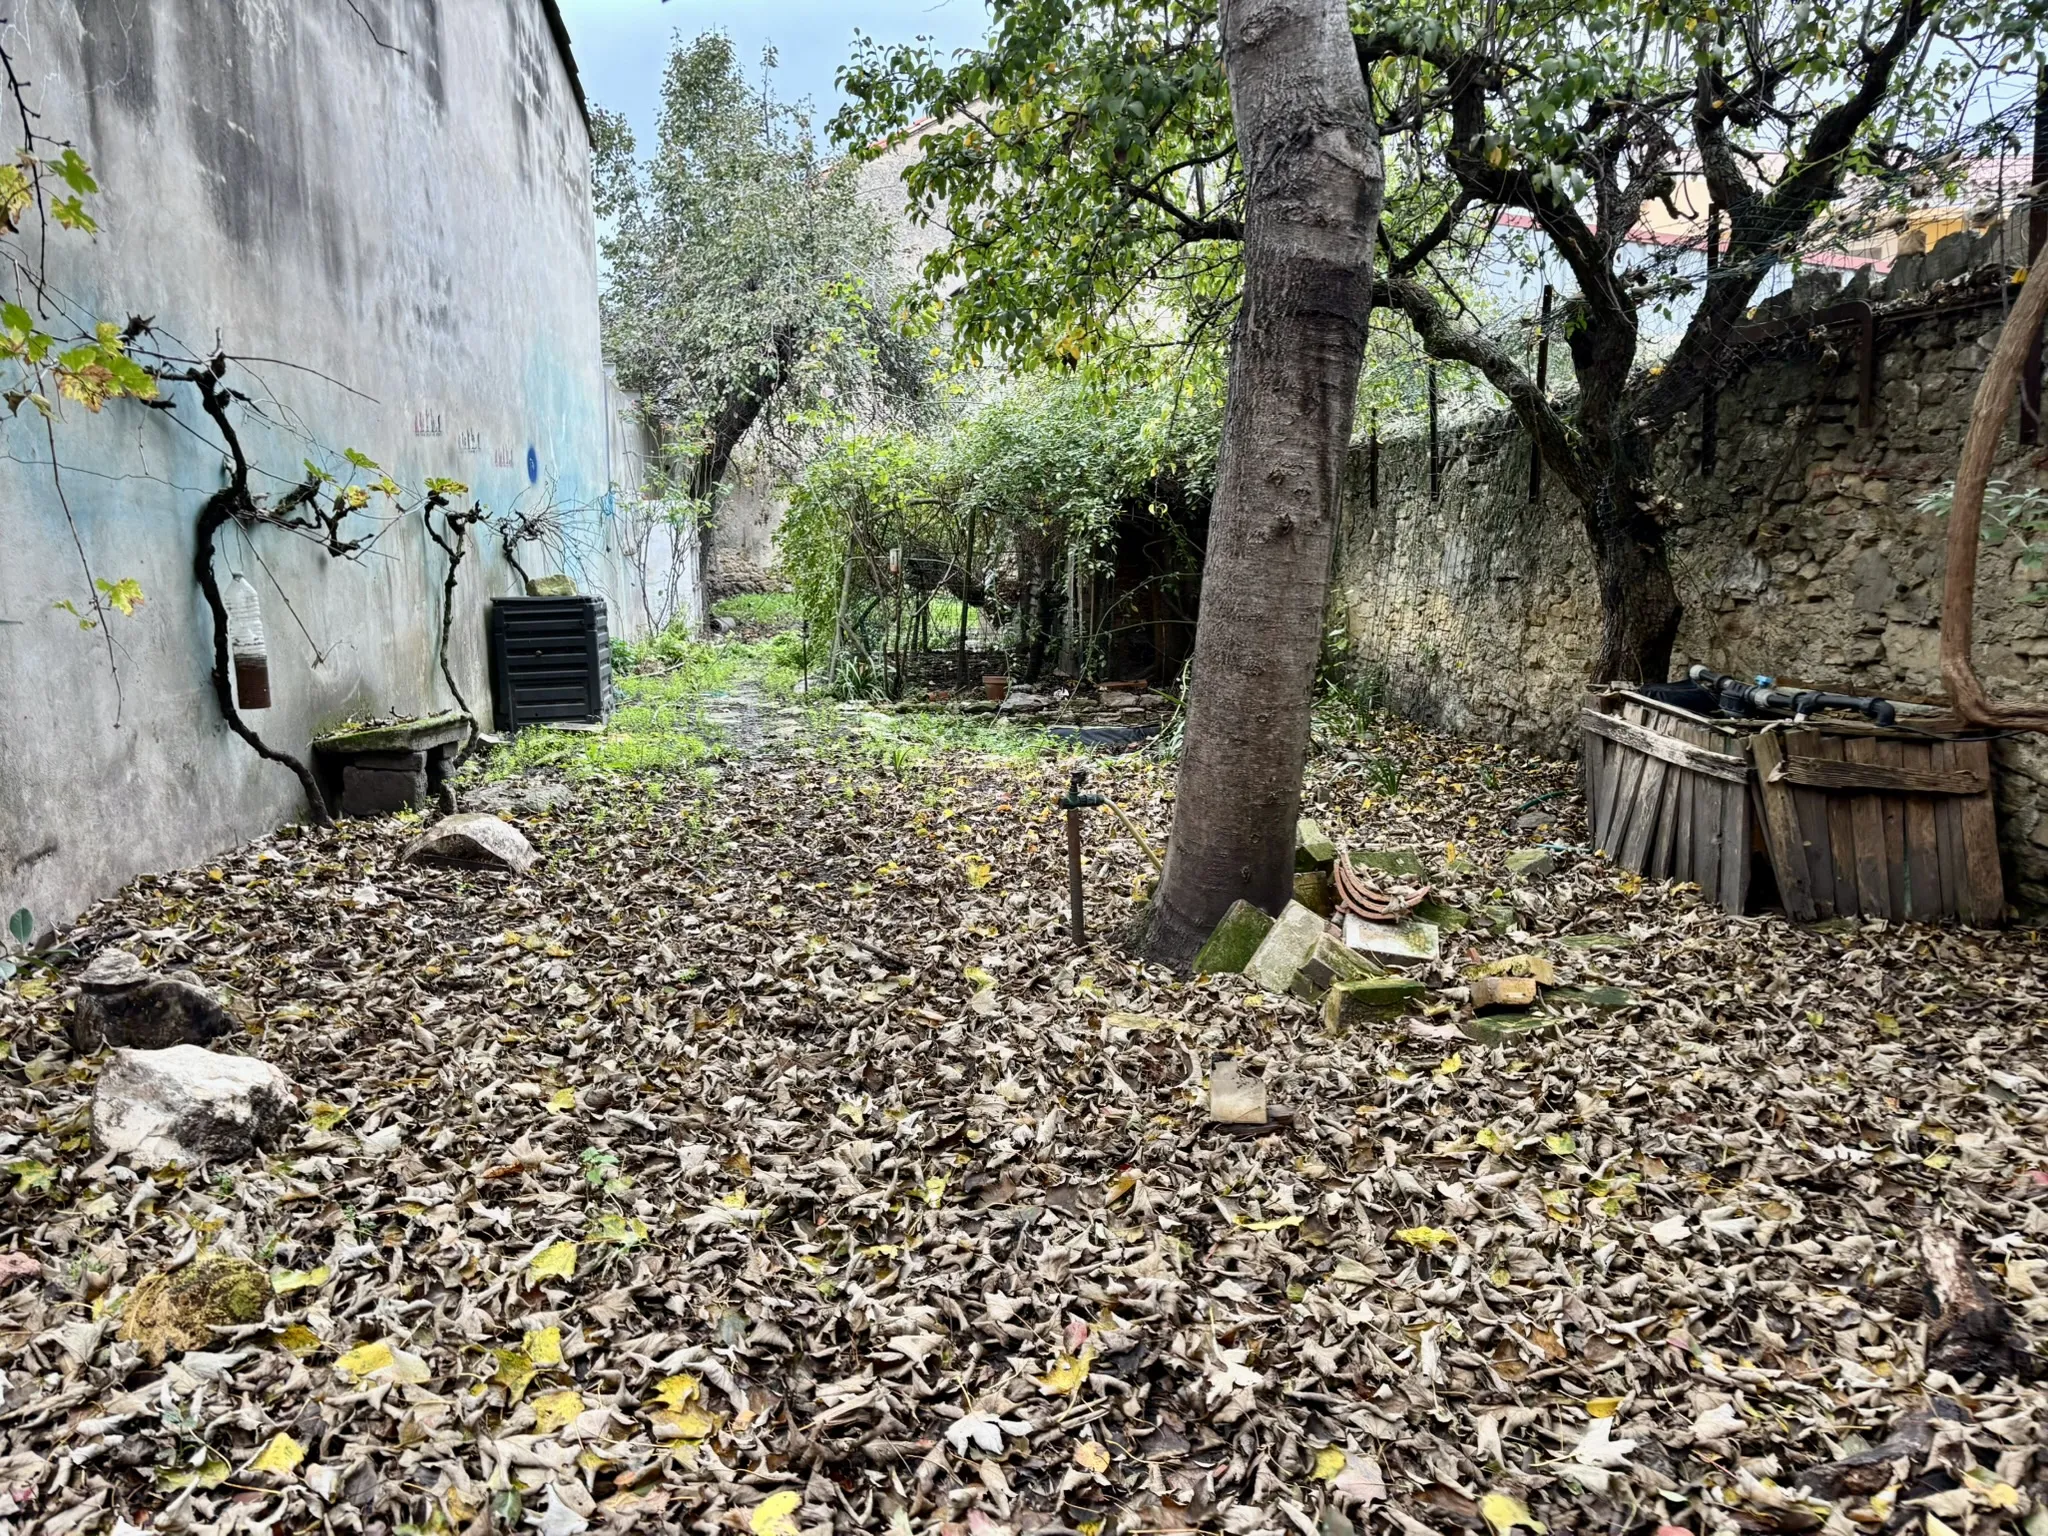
(996, 687)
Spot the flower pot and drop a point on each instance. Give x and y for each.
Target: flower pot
(997, 687)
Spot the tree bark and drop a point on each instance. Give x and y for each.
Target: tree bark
(1966, 513)
(1639, 606)
(1313, 194)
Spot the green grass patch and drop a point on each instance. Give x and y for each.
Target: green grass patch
(765, 610)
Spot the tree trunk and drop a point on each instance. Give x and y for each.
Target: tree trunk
(1639, 607)
(1313, 191)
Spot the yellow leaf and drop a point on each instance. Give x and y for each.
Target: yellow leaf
(1066, 1375)
(543, 1346)
(776, 1514)
(1503, 1511)
(1426, 1238)
(280, 1458)
(368, 1360)
(934, 1192)
(685, 1424)
(678, 1391)
(979, 872)
(1493, 1141)
(514, 1373)
(1451, 1065)
(1092, 1456)
(554, 1409)
(1330, 1461)
(564, 1099)
(555, 1262)
(283, 1280)
(1603, 1407)
(1563, 1143)
(2002, 1496)
(299, 1339)
(326, 1117)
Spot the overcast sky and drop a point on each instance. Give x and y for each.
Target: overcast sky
(621, 45)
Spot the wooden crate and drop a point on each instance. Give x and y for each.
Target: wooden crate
(1668, 794)
(1851, 819)
(1866, 822)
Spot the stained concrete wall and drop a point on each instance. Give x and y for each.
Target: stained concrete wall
(1803, 555)
(389, 202)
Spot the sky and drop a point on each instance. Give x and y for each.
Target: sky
(621, 45)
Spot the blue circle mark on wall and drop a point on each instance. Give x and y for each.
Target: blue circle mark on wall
(532, 465)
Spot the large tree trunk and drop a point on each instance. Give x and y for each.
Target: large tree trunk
(1314, 181)
(1639, 607)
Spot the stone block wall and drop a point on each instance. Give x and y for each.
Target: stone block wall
(1805, 554)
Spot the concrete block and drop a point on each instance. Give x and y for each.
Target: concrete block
(1316, 891)
(1280, 954)
(1312, 846)
(380, 791)
(1233, 941)
(1371, 998)
(1327, 963)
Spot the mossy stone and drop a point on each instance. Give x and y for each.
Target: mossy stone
(1401, 863)
(1233, 941)
(1312, 846)
(1371, 998)
(1316, 891)
(178, 1311)
(1506, 1028)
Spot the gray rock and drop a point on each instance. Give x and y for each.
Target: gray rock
(1531, 864)
(123, 1003)
(473, 840)
(1952, 256)
(188, 1105)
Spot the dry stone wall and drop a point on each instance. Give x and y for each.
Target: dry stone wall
(1805, 553)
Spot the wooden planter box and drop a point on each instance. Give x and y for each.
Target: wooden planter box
(1847, 819)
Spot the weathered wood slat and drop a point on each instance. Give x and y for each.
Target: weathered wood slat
(1681, 816)
(1642, 817)
(1841, 818)
(1866, 814)
(1884, 778)
(1625, 786)
(1667, 749)
(1733, 894)
(1949, 820)
(1892, 754)
(1923, 856)
(1784, 832)
(1984, 893)
(1667, 824)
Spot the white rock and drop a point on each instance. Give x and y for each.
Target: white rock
(188, 1105)
(473, 840)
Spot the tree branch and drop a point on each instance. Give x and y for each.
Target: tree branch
(1450, 343)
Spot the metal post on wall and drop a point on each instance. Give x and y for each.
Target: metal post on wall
(1710, 400)
(1542, 379)
(2037, 250)
(1435, 462)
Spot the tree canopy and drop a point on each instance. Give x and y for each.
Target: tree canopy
(744, 276)
(1088, 170)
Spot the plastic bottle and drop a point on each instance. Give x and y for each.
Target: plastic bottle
(246, 645)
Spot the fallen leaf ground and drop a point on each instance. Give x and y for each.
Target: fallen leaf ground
(769, 1160)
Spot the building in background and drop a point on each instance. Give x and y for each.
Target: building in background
(386, 210)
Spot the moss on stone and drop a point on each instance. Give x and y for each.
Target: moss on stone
(1234, 940)
(178, 1311)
